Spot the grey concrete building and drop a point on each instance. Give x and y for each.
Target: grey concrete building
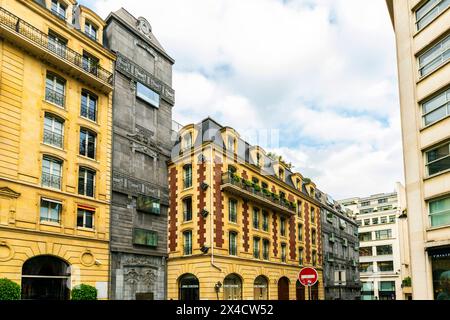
(142, 127)
(340, 250)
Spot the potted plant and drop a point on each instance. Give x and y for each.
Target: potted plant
(256, 187)
(248, 183)
(236, 178)
(9, 290)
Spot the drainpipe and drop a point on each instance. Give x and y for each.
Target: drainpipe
(211, 203)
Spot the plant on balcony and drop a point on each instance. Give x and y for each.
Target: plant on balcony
(256, 187)
(406, 282)
(84, 292)
(275, 196)
(248, 183)
(9, 290)
(293, 205)
(265, 191)
(235, 178)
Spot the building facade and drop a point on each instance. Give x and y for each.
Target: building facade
(340, 246)
(241, 225)
(422, 30)
(55, 147)
(142, 125)
(382, 271)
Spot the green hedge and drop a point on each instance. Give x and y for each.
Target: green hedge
(9, 290)
(84, 292)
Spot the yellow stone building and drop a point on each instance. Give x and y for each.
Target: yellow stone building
(55, 147)
(241, 225)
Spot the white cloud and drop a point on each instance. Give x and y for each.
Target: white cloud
(322, 72)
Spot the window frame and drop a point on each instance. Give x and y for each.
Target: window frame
(187, 245)
(54, 119)
(428, 163)
(428, 14)
(85, 178)
(89, 97)
(445, 105)
(89, 133)
(439, 56)
(52, 160)
(85, 210)
(440, 213)
(47, 218)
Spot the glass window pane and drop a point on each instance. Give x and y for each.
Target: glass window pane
(147, 94)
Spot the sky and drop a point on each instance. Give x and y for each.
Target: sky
(317, 76)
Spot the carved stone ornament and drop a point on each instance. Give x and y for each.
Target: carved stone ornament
(143, 26)
(131, 276)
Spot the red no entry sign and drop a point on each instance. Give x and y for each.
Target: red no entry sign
(308, 277)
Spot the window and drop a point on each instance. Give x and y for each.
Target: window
(231, 144)
(231, 169)
(86, 182)
(51, 172)
(385, 266)
(89, 106)
(313, 215)
(365, 236)
(430, 10)
(281, 173)
(384, 200)
(438, 160)
(145, 237)
(300, 232)
(383, 234)
(258, 159)
(256, 218)
(365, 251)
(314, 258)
(50, 210)
(55, 88)
(59, 9)
(367, 222)
(148, 95)
(265, 223)
(187, 209)
(256, 242)
(300, 256)
(187, 243)
(266, 245)
(187, 176)
(313, 237)
(391, 219)
(232, 211)
(90, 30)
(148, 204)
(283, 226)
(53, 130)
(434, 57)
(359, 223)
(342, 224)
(375, 221)
(90, 63)
(233, 243)
(57, 44)
(383, 220)
(436, 108)
(365, 203)
(384, 250)
(187, 141)
(299, 209)
(366, 266)
(366, 211)
(283, 252)
(330, 216)
(367, 291)
(85, 218)
(87, 143)
(440, 212)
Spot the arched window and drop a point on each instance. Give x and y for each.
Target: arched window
(53, 130)
(45, 278)
(232, 287)
(188, 287)
(261, 288)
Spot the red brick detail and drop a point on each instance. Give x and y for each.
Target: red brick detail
(307, 236)
(244, 175)
(319, 238)
(291, 198)
(218, 204)
(245, 229)
(273, 189)
(275, 235)
(292, 238)
(201, 205)
(173, 209)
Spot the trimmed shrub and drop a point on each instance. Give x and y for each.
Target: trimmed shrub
(9, 290)
(84, 292)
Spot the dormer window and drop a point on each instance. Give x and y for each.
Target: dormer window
(187, 141)
(258, 160)
(281, 174)
(59, 9)
(90, 30)
(231, 144)
(299, 184)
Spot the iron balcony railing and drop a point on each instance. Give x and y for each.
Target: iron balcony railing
(14, 23)
(55, 97)
(51, 180)
(53, 138)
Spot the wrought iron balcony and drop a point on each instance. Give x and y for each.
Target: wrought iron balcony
(239, 188)
(51, 180)
(55, 97)
(23, 34)
(53, 138)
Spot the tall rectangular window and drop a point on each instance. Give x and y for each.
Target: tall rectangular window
(187, 141)
(90, 63)
(300, 256)
(148, 95)
(187, 176)
(313, 215)
(90, 30)
(187, 209)
(55, 90)
(256, 218)
(51, 172)
(266, 245)
(53, 130)
(313, 237)
(299, 209)
(265, 222)
(439, 212)
(314, 258)
(187, 243)
(283, 252)
(256, 242)
(86, 182)
(430, 10)
(434, 57)
(88, 142)
(50, 210)
(436, 108)
(385, 266)
(85, 218)
(438, 159)
(300, 232)
(283, 226)
(232, 210)
(232, 243)
(89, 106)
(59, 9)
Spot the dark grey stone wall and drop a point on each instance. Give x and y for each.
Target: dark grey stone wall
(141, 149)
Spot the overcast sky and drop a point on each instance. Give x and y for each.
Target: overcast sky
(319, 74)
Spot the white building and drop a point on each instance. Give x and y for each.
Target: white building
(383, 250)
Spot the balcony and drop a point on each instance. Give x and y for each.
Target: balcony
(55, 97)
(34, 41)
(51, 180)
(53, 138)
(235, 186)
